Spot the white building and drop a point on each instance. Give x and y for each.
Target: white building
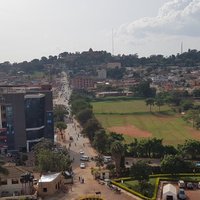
(169, 192)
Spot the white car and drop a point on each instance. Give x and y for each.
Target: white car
(82, 165)
(84, 158)
(81, 152)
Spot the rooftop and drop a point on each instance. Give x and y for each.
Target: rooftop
(48, 177)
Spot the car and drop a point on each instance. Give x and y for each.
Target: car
(181, 194)
(197, 164)
(82, 165)
(81, 152)
(107, 159)
(190, 186)
(84, 158)
(181, 184)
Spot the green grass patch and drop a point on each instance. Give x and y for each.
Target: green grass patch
(165, 124)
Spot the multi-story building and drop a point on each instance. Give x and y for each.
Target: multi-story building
(26, 116)
(82, 82)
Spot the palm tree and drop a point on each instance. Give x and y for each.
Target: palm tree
(117, 151)
(150, 102)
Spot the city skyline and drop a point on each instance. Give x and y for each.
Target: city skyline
(32, 29)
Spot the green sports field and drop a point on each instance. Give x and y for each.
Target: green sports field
(134, 113)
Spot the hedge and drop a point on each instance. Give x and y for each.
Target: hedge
(159, 177)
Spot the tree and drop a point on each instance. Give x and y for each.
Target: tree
(196, 93)
(26, 178)
(144, 90)
(43, 144)
(61, 126)
(3, 170)
(159, 102)
(100, 141)
(84, 115)
(186, 104)
(79, 104)
(116, 73)
(169, 150)
(90, 127)
(175, 164)
(59, 112)
(112, 137)
(117, 151)
(191, 149)
(150, 102)
(140, 171)
(48, 160)
(99, 161)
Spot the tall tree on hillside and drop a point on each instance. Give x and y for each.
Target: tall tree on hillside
(117, 151)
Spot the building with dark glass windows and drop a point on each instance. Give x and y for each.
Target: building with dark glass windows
(26, 116)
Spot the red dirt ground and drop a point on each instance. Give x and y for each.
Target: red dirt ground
(130, 130)
(195, 133)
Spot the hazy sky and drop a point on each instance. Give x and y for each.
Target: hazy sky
(35, 28)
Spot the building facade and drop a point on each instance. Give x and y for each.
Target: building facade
(26, 116)
(82, 82)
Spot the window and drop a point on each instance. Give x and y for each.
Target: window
(44, 189)
(4, 182)
(15, 181)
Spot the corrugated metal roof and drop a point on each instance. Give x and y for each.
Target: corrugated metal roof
(48, 177)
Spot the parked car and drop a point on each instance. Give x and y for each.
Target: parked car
(84, 158)
(82, 165)
(197, 164)
(181, 194)
(106, 159)
(81, 152)
(181, 184)
(190, 186)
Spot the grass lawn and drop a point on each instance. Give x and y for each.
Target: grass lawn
(133, 184)
(167, 125)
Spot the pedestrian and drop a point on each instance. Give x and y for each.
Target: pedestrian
(79, 178)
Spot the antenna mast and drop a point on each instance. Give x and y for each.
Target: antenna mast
(181, 47)
(112, 42)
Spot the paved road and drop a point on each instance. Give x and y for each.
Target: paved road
(81, 143)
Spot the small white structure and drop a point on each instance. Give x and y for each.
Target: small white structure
(169, 192)
(50, 183)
